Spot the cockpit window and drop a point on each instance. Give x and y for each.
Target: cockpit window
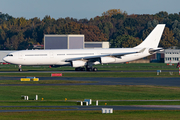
(9, 54)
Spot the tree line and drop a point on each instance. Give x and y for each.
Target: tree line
(115, 26)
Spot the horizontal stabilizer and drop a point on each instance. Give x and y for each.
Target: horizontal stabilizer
(152, 50)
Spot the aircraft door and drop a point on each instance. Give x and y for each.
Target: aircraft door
(51, 55)
(20, 56)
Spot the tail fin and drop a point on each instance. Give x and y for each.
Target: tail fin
(152, 40)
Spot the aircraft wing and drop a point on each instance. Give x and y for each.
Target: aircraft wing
(97, 57)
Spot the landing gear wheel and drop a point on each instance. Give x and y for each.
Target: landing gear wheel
(82, 69)
(89, 69)
(95, 69)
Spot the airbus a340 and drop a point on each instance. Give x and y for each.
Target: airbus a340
(84, 59)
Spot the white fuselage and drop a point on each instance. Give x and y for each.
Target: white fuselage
(59, 57)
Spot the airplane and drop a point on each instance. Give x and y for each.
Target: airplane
(84, 59)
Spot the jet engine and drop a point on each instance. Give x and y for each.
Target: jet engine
(78, 63)
(107, 59)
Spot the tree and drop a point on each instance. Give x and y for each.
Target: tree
(117, 42)
(146, 32)
(22, 22)
(112, 12)
(152, 23)
(162, 14)
(25, 45)
(92, 33)
(131, 42)
(7, 44)
(167, 39)
(14, 42)
(71, 28)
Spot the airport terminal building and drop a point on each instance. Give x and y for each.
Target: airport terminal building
(171, 55)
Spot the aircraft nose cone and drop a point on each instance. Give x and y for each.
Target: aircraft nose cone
(5, 59)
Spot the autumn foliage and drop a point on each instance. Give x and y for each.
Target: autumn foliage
(115, 26)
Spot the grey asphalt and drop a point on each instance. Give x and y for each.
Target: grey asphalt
(105, 81)
(87, 108)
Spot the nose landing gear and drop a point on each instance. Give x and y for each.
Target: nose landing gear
(20, 69)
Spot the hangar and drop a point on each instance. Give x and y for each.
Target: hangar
(63, 41)
(71, 41)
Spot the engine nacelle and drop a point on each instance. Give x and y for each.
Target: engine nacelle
(78, 63)
(107, 59)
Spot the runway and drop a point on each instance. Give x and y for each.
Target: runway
(87, 108)
(103, 81)
(100, 81)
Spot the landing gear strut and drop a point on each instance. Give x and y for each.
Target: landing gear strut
(80, 69)
(20, 69)
(88, 68)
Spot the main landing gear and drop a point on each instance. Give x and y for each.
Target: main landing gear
(87, 69)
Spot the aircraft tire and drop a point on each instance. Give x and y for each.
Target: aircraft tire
(95, 69)
(76, 69)
(89, 69)
(82, 69)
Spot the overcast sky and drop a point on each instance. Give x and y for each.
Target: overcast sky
(84, 8)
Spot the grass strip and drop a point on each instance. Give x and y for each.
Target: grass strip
(89, 115)
(116, 67)
(96, 74)
(94, 92)
(31, 108)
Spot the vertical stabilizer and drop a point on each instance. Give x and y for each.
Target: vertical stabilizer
(153, 39)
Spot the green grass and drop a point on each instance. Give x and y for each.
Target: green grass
(37, 103)
(95, 74)
(95, 92)
(115, 67)
(55, 95)
(97, 115)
